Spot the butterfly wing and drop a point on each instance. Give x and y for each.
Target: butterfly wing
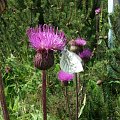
(64, 62)
(75, 65)
(70, 62)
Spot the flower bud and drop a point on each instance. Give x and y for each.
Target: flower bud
(64, 83)
(44, 60)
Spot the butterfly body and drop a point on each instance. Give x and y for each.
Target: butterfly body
(70, 62)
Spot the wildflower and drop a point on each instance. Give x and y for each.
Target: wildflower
(45, 39)
(97, 11)
(85, 54)
(64, 77)
(80, 42)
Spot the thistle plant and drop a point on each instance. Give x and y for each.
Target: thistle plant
(80, 43)
(97, 17)
(45, 40)
(77, 46)
(85, 54)
(65, 77)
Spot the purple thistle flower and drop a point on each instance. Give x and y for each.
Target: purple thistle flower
(64, 76)
(80, 42)
(85, 54)
(46, 38)
(97, 11)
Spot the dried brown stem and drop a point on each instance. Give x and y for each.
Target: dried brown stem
(2, 100)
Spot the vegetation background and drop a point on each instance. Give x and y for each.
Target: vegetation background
(22, 81)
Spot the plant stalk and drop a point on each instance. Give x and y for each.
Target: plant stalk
(44, 94)
(76, 96)
(97, 29)
(67, 103)
(2, 100)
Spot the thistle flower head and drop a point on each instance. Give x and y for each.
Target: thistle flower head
(64, 76)
(46, 38)
(80, 42)
(97, 11)
(85, 54)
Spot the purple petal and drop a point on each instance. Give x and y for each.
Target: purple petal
(80, 41)
(45, 37)
(64, 76)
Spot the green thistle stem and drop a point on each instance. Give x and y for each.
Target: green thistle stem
(44, 94)
(3, 101)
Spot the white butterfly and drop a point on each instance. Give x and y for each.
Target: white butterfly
(70, 62)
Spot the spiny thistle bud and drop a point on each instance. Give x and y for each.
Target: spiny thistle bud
(44, 60)
(73, 46)
(77, 45)
(64, 83)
